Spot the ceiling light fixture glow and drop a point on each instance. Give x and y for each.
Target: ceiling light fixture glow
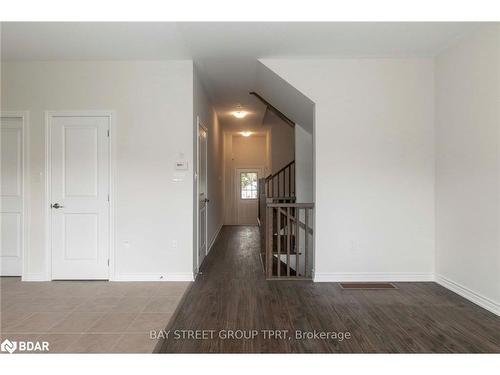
(239, 114)
(246, 134)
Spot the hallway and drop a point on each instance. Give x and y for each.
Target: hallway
(232, 294)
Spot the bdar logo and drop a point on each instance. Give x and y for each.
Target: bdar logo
(24, 346)
(8, 346)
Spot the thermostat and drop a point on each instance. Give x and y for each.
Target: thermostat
(181, 165)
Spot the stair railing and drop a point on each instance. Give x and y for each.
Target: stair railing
(282, 183)
(286, 227)
(288, 243)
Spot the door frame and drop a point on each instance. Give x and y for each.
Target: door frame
(25, 186)
(199, 124)
(49, 115)
(237, 187)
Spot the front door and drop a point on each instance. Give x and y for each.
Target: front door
(247, 195)
(202, 194)
(11, 190)
(79, 196)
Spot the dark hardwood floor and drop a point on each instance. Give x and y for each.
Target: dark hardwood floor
(232, 294)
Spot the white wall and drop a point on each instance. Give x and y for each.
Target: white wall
(282, 141)
(154, 113)
(284, 96)
(374, 132)
(304, 165)
(468, 167)
(202, 107)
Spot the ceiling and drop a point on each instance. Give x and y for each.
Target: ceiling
(226, 54)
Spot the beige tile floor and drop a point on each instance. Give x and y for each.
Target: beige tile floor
(87, 316)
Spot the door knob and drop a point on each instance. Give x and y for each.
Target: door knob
(56, 205)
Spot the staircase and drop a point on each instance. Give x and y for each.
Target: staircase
(285, 227)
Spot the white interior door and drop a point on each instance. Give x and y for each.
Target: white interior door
(79, 196)
(246, 183)
(202, 194)
(11, 191)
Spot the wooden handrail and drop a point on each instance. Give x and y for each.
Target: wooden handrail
(281, 183)
(275, 199)
(292, 218)
(280, 171)
(296, 205)
(276, 111)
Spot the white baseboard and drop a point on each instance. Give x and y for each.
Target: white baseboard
(180, 276)
(472, 296)
(455, 287)
(34, 277)
(372, 276)
(215, 237)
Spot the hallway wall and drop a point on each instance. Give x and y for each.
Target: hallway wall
(203, 108)
(153, 102)
(282, 141)
(374, 190)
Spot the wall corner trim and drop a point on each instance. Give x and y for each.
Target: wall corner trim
(470, 295)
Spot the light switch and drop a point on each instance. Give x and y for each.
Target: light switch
(181, 165)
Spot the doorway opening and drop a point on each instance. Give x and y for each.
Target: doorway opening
(202, 193)
(259, 170)
(246, 195)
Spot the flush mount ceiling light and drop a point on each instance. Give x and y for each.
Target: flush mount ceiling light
(246, 134)
(239, 113)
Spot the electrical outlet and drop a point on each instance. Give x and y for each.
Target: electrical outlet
(175, 244)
